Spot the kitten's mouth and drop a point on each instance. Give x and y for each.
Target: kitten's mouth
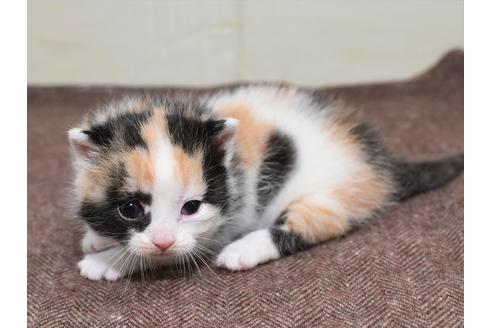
(162, 256)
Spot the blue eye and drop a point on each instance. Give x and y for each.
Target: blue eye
(191, 207)
(131, 210)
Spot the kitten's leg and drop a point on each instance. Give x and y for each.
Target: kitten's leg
(93, 242)
(304, 223)
(111, 264)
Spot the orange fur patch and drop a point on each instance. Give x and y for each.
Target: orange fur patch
(339, 129)
(139, 165)
(155, 127)
(252, 135)
(365, 193)
(189, 168)
(315, 223)
(92, 185)
(141, 170)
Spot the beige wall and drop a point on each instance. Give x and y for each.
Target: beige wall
(207, 42)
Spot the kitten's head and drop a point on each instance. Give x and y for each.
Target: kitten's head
(153, 176)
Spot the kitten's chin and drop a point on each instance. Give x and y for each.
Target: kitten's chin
(163, 258)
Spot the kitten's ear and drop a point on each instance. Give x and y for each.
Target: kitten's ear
(223, 131)
(81, 143)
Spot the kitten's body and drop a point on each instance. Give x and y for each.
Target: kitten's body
(276, 170)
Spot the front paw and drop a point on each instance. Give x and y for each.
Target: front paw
(236, 259)
(93, 267)
(92, 242)
(249, 251)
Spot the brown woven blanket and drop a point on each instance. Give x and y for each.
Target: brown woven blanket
(405, 269)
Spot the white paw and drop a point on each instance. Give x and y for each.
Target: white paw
(93, 267)
(92, 242)
(246, 253)
(236, 258)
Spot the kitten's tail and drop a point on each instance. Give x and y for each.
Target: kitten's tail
(414, 178)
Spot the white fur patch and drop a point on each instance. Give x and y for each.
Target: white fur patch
(93, 242)
(112, 264)
(98, 266)
(247, 252)
(167, 189)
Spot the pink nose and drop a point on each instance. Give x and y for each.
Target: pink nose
(163, 245)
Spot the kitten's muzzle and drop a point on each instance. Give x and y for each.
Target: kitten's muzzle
(164, 242)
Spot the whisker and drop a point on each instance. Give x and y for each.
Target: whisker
(131, 269)
(196, 264)
(114, 258)
(204, 262)
(203, 248)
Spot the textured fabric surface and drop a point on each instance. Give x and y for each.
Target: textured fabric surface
(404, 269)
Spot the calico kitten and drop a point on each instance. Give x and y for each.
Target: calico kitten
(251, 174)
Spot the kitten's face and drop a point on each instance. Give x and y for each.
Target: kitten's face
(153, 182)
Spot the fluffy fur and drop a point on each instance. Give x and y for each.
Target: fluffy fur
(249, 174)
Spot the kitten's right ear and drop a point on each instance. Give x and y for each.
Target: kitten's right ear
(81, 143)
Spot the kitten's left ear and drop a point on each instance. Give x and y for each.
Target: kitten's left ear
(81, 143)
(223, 131)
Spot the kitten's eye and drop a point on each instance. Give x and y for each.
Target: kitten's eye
(131, 210)
(191, 207)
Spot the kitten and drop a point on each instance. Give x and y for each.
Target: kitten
(251, 174)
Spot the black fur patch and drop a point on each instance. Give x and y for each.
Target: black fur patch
(321, 98)
(130, 128)
(103, 216)
(282, 218)
(214, 127)
(102, 135)
(287, 242)
(144, 198)
(414, 178)
(216, 177)
(278, 162)
(189, 133)
(369, 139)
(125, 127)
